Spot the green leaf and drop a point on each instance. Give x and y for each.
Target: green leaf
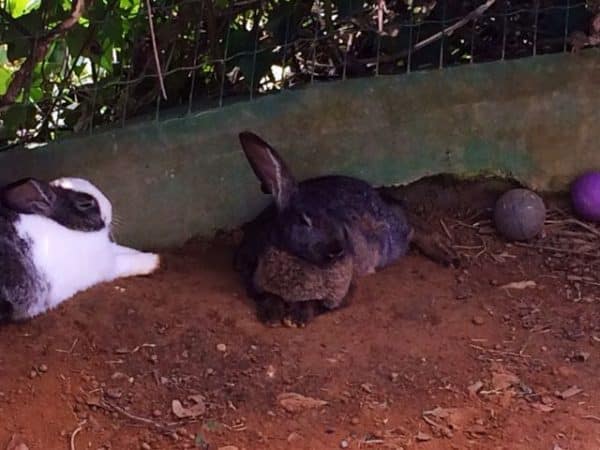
(5, 76)
(17, 8)
(132, 6)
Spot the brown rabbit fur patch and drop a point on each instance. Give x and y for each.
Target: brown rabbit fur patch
(295, 280)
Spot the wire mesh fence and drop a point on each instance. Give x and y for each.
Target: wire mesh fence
(75, 67)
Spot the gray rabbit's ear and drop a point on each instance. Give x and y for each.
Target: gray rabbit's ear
(276, 179)
(29, 196)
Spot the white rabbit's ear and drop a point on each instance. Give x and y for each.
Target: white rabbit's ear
(29, 196)
(276, 179)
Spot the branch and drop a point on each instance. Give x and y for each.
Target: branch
(431, 39)
(22, 76)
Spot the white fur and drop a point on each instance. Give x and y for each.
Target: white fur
(72, 261)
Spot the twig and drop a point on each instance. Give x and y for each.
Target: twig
(556, 249)
(155, 50)
(431, 39)
(583, 225)
(77, 430)
(70, 351)
(499, 352)
(446, 230)
(163, 427)
(591, 417)
(452, 28)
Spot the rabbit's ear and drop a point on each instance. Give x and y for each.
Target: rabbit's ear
(29, 196)
(276, 179)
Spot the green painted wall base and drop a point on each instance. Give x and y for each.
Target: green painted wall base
(534, 119)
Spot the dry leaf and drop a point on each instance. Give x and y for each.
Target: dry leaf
(541, 407)
(571, 392)
(475, 387)
(16, 443)
(422, 437)
(293, 402)
(519, 285)
(504, 380)
(193, 411)
(93, 400)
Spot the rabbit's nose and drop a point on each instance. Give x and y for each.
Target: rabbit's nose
(335, 251)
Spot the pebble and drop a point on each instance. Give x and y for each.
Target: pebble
(355, 421)
(344, 444)
(43, 368)
(478, 320)
(221, 347)
(32, 374)
(146, 446)
(157, 413)
(565, 371)
(114, 393)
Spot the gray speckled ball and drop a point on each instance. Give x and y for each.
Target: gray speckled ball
(519, 214)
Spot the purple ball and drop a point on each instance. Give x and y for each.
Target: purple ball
(585, 195)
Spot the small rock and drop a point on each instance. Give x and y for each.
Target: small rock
(43, 368)
(394, 376)
(114, 393)
(146, 446)
(293, 402)
(478, 320)
(355, 421)
(344, 444)
(222, 348)
(566, 371)
(32, 374)
(293, 437)
(157, 413)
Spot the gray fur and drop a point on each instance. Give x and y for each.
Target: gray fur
(20, 282)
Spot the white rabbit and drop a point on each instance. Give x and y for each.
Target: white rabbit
(55, 241)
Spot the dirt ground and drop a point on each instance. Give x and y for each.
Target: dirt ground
(424, 357)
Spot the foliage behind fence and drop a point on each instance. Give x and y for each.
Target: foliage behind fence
(75, 66)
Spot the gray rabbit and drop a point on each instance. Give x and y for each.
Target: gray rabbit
(300, 255)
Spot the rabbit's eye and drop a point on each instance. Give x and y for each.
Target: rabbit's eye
(85, 204)
(306, 220)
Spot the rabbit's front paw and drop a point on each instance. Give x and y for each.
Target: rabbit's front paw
(299, 314)
(270, 309)
(133, 264)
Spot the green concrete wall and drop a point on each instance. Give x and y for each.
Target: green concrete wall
(536, 119)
